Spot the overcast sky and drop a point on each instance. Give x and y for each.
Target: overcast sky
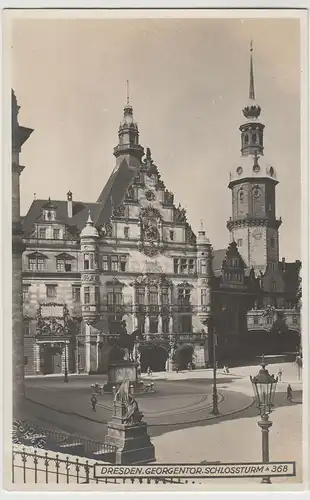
(189, 80)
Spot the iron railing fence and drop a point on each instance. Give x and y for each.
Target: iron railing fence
(29, 434)
(39, 467)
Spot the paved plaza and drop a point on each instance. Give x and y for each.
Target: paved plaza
(179, 416)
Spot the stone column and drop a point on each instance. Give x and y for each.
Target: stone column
(170, 325)
(36, 356)
(87, 347)
(160, 324)
(147, 325)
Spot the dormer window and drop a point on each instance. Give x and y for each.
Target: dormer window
(42, 233)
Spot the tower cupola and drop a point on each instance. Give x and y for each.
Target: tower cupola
(128, 134)
(252, 131)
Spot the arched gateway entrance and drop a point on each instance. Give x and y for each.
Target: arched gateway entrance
(153, 356)
(184, 356)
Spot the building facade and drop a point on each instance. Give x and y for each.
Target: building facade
(132, 256)
(19, 137)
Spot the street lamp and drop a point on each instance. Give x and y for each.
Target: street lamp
(264, 386)
(66, 380)
(211, 329)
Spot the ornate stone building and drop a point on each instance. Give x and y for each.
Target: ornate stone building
(19, 137)
(133, 256)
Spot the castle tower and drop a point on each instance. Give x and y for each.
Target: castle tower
(90, 290)
(19, 137)
(128, 138)
(204, 286)
(253, 224)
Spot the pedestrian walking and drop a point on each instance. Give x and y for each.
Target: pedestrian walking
(93, 400)
(280, 374)
(289, 393)
(149, 371)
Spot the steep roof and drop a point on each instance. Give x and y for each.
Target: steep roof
(290, 273)
(218, 257)
(113, 193)
(80, 211)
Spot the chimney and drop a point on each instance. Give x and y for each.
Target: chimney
(69, 204)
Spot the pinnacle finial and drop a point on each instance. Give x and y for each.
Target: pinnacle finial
(201, 225)
(127, 91)
(251, 88)
(89, 220)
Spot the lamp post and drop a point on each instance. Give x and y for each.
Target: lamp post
(66, 380)
(264, 386)
(211, 330)
(215, 409)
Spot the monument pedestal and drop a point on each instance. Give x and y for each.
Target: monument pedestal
(132, 442)
(121, 370)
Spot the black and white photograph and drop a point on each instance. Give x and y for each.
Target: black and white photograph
(155, 199)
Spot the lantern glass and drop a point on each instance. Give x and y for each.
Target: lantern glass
(264, 386)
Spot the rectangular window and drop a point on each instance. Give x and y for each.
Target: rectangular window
(234, 262)
(171, 235)
(239, 242)
(60, 265)
(153, 324)
(41, 264)
(51, 291)
(187, 297)
(115, 296)
(76, 294)
(33, 264)
(97, 295)
(25, 293)
(203, 267)
(86, 295)
(140, 294)
(105, 263)
(25, 360)
(191, 266)
(255, 320)
(86, 262)
(123, 263)
(26, 328)
(183, 266)
(153, 296)
(165, 296)
(203, 297)
(176, 266)
(185, 324)
(56, 234)
(274, 286)
(42, 233)
(126, 232)
(114, 263)
(269, 320)
(68, 265)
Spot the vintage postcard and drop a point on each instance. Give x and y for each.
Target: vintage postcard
(155, 195)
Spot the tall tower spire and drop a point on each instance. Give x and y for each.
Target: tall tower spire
(127, 88)
(252, 88)
(252, 130)
(128, 133)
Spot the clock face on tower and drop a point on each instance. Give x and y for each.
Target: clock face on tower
(257, 234)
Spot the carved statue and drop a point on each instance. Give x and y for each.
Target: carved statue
(133, 414)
